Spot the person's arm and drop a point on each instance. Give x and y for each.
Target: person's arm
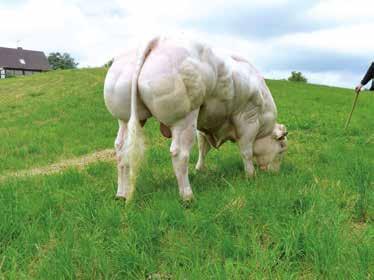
(368, 76)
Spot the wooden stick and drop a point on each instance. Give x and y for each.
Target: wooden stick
(353, 107)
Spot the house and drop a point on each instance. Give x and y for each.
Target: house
(17, 62)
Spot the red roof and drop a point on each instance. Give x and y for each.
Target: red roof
(23, 59)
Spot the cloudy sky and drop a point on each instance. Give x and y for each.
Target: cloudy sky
(330, 41)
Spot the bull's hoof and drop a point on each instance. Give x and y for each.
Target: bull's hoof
(187, 202)
(121, 197)
(200, 167)
(187, 196)
(250, 174)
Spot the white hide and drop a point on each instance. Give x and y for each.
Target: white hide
(187, 87)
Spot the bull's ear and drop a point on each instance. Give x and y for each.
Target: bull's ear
(283, 136)
(280, 132)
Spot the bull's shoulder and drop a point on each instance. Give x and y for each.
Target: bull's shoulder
(253, 99)
(195, 79)
(224, 86)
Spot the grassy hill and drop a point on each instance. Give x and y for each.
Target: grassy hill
(312, 220)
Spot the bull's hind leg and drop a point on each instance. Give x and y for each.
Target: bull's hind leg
(204, 147)
(183, 136)
(122, 165)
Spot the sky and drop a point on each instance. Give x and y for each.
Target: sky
(330, 41)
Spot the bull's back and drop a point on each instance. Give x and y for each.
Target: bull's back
(170, 82)
(176, 78)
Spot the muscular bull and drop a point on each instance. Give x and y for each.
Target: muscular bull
(191, 90)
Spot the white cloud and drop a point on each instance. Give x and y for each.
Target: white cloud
(94, 31)
(345, 11)
(60, 26)
(326, 78)
(353, 39)
(178, 11)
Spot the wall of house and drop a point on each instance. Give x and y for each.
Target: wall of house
(11, 72)
(4, 73)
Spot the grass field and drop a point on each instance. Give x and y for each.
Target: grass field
(313, 220)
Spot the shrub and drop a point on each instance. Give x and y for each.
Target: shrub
(61, 61)
(109, 63)
(297, 77)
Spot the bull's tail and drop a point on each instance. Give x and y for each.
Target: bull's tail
(134, 145)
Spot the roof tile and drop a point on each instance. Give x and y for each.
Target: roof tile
(12, 58)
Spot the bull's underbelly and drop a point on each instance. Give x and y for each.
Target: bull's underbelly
(218, 136)
(216, 123)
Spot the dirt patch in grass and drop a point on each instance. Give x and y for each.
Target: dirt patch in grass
(78, 162)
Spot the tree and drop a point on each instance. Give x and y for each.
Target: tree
(297, 77)
(61, 61)
(109, 63)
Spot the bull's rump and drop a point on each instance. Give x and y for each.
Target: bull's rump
(170, 84)
(117, 88)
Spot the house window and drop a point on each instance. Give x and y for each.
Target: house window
(9, 73)
(2, 74)
(22, 61)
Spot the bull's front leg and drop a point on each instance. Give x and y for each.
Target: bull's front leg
(204, 148)
(246, 151)
(247, 132)
(183, 136)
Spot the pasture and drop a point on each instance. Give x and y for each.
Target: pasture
(313, 220)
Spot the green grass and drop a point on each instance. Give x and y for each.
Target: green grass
(313, 220)
(48, 117)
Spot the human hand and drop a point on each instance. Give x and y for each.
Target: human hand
(358, 88)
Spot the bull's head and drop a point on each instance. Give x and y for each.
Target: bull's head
(270, 149)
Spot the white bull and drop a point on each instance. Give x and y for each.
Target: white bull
(190, 90)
